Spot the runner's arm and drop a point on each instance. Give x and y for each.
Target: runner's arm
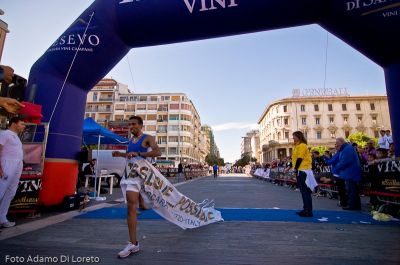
(155, 150)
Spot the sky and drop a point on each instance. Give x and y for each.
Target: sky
(230, 80)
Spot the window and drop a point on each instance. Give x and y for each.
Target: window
(130, 107)
(303, 107)
(173, 117)
(345, 119)
(119, 117)
(317, 121)
(162, 118)
(151, 117)
(376, 134)
(358, 106)
(347, 134)
(162, 129)
(152, 107)
(344, 107)
(284, 108)
(185, 107)
(185, 117)
(319, 135)
(173, 128)
(165, 98)
(359, 119)
(153, 98)
(162, 150)
(330, 108)
(286, 135)
(175, 98)
(143, 98)
(163, 107)
(95, 96)
(151, 128)
(173, 139)
(372, 106)
(303, 121)
(174, 106)
(119, 106)
(141, 107)
(374, 120)
(286, 121)
(172, 151)
(331, 120)
(333, 134)
(316, 107)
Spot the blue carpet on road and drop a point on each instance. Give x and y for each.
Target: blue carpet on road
(265, 215)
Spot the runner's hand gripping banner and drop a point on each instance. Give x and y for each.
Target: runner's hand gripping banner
(167, 201)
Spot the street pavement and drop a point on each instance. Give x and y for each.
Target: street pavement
(260, 228)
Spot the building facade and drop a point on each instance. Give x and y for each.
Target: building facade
(250, 145)
(211, 144)
(171, 117)
(3, 32)
(321, 118)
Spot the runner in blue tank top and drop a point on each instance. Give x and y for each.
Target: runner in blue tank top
(138, 147)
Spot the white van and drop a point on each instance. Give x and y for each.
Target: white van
(114, 165)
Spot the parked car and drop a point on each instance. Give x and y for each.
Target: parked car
(114, 165)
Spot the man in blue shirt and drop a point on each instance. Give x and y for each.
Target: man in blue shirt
(138, 146)
(215, 169)
(348, 167)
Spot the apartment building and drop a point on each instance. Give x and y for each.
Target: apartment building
(321, 119)
(250, 144)
(211, 144)
(171, 117)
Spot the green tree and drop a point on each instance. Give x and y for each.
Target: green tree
(321, 149)
(212, 160)
(360, 139)
(243, 161)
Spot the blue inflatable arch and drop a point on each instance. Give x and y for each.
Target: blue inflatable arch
(106, 31)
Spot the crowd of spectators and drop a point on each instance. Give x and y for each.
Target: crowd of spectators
(327, 170)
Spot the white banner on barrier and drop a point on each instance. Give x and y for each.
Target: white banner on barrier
(167, 201)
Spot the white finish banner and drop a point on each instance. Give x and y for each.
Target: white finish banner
(167, 201)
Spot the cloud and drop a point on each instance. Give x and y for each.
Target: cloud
(234, 126)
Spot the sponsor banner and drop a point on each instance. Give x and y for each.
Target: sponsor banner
(167, 201)
(384, 176)
(27, 195)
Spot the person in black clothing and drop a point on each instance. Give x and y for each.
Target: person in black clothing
(180, 172)
(90, 169)
(317, 161)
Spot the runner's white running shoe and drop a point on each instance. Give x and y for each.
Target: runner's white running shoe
(130, 248)
(7, 224)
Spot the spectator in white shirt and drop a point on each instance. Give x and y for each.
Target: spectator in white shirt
(11, 163)
(383, 140)
(389, 137)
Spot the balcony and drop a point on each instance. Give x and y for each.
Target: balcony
(104, 110)
(106, 99)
